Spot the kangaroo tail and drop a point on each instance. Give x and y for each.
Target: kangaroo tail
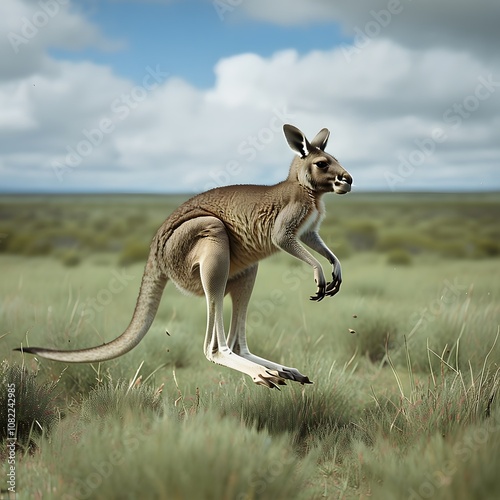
(153, 283)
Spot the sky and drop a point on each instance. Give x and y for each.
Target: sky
(160, 96)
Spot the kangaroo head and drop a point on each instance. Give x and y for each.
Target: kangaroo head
(314, 168)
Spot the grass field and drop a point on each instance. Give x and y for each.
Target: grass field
(405, 360)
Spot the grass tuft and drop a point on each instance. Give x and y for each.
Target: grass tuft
(114, 401)
(35, 405)
(300, 411)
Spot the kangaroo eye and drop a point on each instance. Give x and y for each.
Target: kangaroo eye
(321, 164)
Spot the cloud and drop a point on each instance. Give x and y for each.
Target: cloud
(79, 126)
(451, 24)
(29, 28)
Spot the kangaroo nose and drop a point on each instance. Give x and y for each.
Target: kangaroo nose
(343, 178)
(346, 177)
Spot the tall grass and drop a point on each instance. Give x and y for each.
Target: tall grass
(199, 457)
(299, 411)
(33, 403)
(427, 444)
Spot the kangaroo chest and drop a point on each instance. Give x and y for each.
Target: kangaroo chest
(311, 222)
(312, 219)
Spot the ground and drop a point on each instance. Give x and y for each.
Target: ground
(404, 359)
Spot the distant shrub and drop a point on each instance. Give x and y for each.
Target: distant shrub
(487, 248)
(38, 247)
(133, 251)
(137, 219)
(71, 258)
(340, 246)
(3, 240)
(452, 249)
(399, 257)
(28, 244)
(411, 241)
(118, 229)
(362, 235)
(101, 224)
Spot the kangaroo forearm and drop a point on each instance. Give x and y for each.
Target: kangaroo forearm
(313, 240)
(294, 248)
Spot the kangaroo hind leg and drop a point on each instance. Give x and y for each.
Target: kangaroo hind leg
(240, 290)
(211, 257)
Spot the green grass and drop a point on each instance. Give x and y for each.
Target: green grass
(405, 363)
(198, 457)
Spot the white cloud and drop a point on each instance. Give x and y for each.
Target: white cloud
(381, 107)
(30, 27)
(400, 116)
(453, 24)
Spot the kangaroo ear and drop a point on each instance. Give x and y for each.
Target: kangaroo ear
(296, 140)
(321, 139)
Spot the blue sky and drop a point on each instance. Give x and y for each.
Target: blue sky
(189, 37)
(175, 96)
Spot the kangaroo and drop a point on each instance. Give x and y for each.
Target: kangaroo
(211, 246)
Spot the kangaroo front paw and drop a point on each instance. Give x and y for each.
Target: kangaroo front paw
(333, 287)
(295, 375)
(320, 294)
